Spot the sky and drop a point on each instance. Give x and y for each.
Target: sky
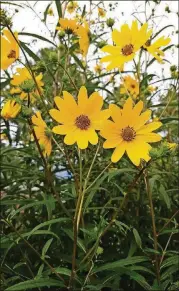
(28, 19)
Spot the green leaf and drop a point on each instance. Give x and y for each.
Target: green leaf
(4, 84)
(79, 241)
(63, 271)
(29, 52)
(37, 36)
(46, 247)
(35, 283)
(59, 8)
(121, 263)
(165, 196)
(77, 61)
(39, 232)
(169, 119)
(137, 238)
(46, 12)
(49, 222)
(140, 280)
(170, 261)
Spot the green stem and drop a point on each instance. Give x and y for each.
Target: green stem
(152, 213)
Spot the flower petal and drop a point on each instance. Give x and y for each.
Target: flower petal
(118, 152)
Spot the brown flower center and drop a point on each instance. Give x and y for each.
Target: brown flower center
(12, 54)
(148, 42)
(127, 50)
(132, 86)
(128, 133)
(83, 122)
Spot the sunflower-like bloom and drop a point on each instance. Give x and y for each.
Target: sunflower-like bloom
(9, 49)
(129, 132)
(130, 86)
(71, 7)
(42, 133)
(154, 48)
(79, 122)
(24, 84)
(68, 25)
(101, 12)
(10, 109)
(128, 41)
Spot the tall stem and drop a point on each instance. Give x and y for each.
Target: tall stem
(152, 213)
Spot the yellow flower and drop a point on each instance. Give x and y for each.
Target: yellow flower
(83, 32)
(68, 25)
(154, 49)
(9, 49)
(128, 41)
(10, 109)
(79, 122)
(50, 12)
(22, 77)
(42, 133)
(72, 5)
(101, 12)
(98, 68)
(129, 132)
(130, 86)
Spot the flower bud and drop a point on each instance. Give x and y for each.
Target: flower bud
(173, 68)
(110, 22)
(61, 34)
(101, 43)
(27, 86)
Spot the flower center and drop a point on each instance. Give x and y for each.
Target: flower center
(148, 42)
(128, 133)
(132, 86)
(12, 54)
(127, 49)
(83, 122)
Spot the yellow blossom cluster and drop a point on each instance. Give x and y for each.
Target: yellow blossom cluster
(126, 130)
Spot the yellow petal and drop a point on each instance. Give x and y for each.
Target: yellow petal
(118, 152)
(149, 137)
(82, 98)
(143, 118)
(137, 150)
(112, 143)
(115, 113)
(70, 138)
(149, 127)
(92, 136)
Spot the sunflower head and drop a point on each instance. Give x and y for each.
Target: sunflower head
(130, 86)
(79, 121)
(68, 25)
(127, 42)
(130, 132)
